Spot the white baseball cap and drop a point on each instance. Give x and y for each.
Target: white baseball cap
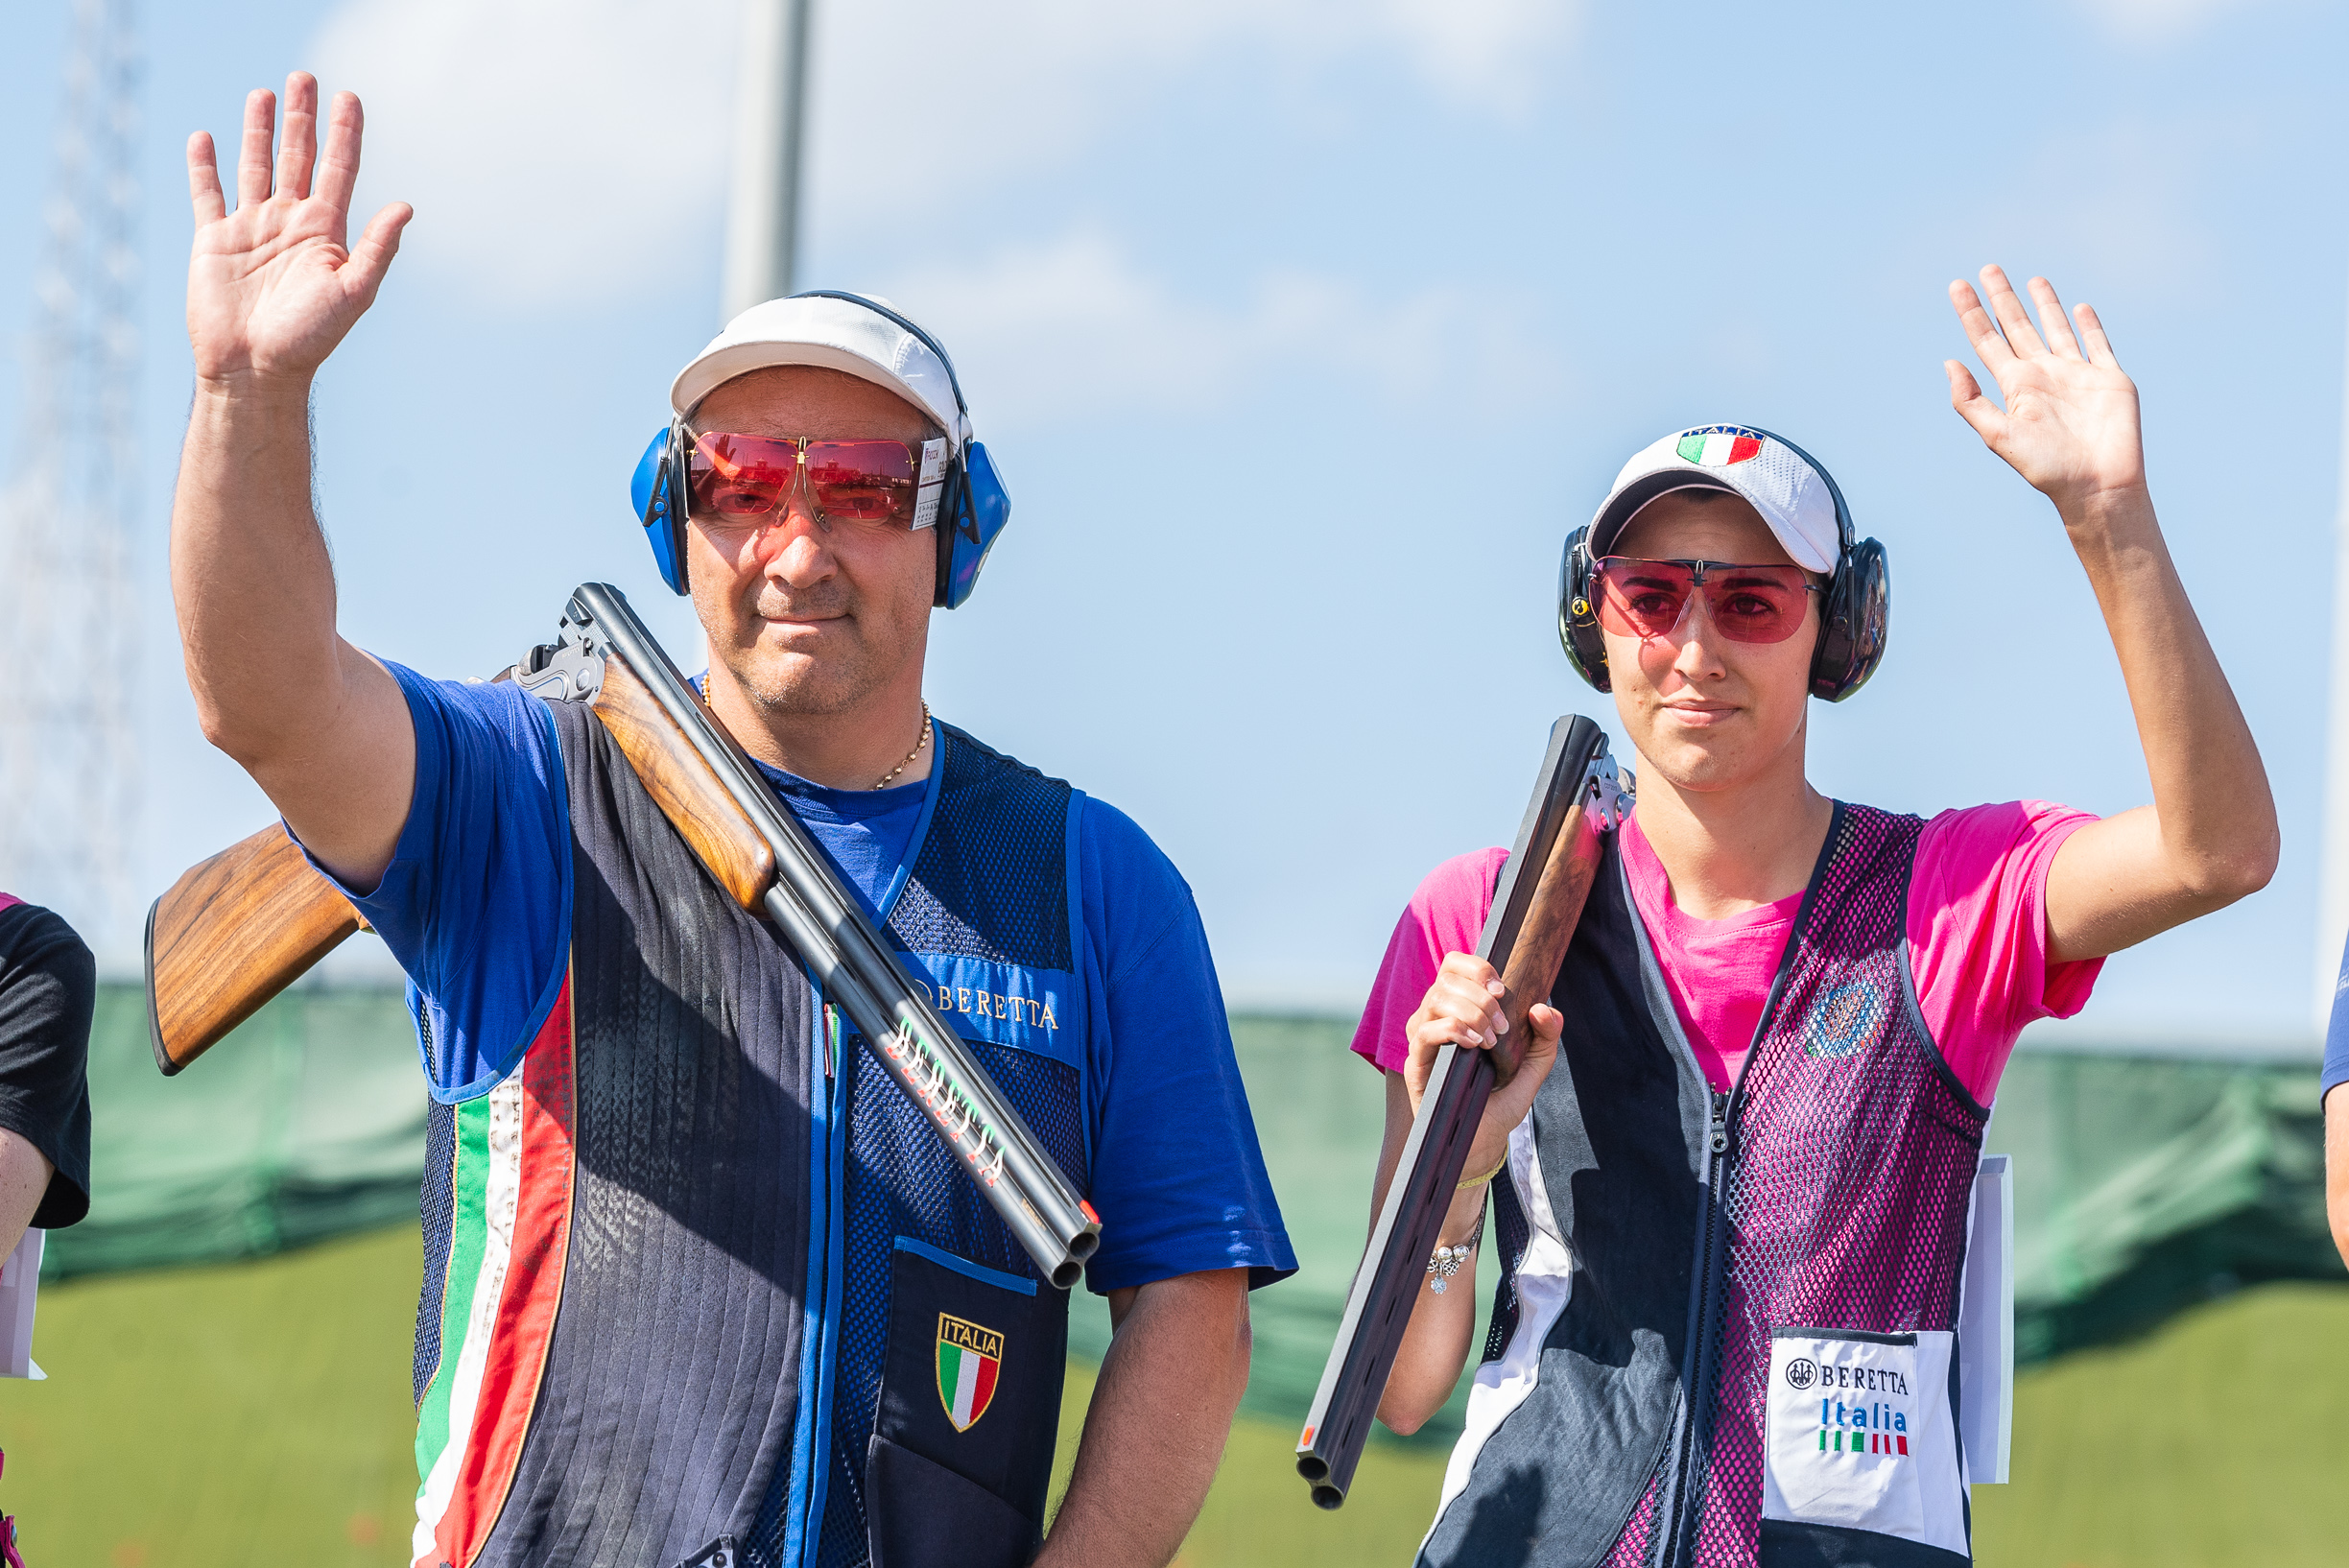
(1778, 480)
(839, 334)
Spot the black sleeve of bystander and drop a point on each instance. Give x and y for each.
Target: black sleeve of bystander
(48, 989)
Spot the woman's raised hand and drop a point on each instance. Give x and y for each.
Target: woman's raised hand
(1463, 1007)
(2069, 424)
(274, 285)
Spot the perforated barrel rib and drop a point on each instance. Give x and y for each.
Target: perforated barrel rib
(1852, 1156)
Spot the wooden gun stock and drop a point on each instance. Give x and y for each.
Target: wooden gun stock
(684, 788)
(1542, 936)
(237, 929)
(232, 933)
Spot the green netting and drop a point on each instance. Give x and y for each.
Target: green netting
(2143, 1184)
(2146, 1183)
(1318, 1112)
(306, 1122)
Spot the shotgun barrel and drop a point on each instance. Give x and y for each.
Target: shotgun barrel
(830, 931)
(1534, 911)
(239, 928)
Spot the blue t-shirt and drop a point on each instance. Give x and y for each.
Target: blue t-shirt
(476, 906)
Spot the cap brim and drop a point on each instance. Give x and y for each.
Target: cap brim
(706, 374)
(1620, 507)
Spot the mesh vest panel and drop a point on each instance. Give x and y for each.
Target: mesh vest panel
(990, 882)
(437, 1206)
(1852, 1157)
(671, 1384)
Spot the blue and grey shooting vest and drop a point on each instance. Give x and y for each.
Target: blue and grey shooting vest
(701, 1287)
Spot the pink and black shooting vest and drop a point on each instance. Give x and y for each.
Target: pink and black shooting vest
(1725, 1330)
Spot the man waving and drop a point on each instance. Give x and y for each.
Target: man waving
(701, 1287)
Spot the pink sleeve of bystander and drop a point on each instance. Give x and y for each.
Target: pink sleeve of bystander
(1445, 916)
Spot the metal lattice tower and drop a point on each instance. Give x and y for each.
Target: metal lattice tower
(69, 792)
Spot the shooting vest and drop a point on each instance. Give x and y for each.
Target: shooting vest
(701, 1286)
(1725, 1331)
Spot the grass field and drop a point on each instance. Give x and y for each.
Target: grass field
(260, 1413)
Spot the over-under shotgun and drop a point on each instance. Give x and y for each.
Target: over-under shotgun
(242, 926)
(1534, 911)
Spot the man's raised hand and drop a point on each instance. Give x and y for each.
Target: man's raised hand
(274, 285)
(2069, 424)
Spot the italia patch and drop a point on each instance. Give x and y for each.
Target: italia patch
(1717, 447)
(969, 1360)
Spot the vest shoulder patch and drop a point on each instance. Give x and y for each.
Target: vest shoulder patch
(1004, 1004)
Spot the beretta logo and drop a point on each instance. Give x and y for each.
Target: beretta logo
(969, 1359)
(1801, 1372)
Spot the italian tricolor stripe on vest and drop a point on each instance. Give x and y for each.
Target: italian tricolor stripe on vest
(1719, 448)
(511, 1227)
(969, 1359)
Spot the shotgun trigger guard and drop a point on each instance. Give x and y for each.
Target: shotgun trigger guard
(1606, 796)
(567, 670)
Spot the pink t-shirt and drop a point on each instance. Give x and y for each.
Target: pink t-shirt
(1977, 943)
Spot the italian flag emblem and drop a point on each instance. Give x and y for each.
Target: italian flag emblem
(969, 1359)
(1718, 446)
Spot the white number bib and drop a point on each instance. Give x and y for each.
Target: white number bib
(1860, 1437)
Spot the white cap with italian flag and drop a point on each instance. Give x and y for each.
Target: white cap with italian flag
(1791, 493)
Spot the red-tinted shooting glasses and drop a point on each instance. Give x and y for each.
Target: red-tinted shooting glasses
(1748, 604)
(748, 479)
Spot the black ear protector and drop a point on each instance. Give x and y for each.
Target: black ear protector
(973, 505)
(1855, 619)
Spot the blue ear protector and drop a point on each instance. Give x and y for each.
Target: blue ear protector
(1854, 623)
(973, 506)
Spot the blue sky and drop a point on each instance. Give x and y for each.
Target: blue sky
(1304, 332)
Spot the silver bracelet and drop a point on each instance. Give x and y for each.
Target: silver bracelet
(1447, 1260)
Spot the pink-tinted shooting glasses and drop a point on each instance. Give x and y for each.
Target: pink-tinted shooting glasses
(1748, 604)
(748, 479)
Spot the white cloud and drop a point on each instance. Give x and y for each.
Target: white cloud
(555, 151)
(1042, 331)
(2157, 21)
(2106, 207)
(552, 149)
(1490, 51)
(932, 90)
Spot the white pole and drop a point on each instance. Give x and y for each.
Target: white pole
(2332, 889)
(770, 115)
